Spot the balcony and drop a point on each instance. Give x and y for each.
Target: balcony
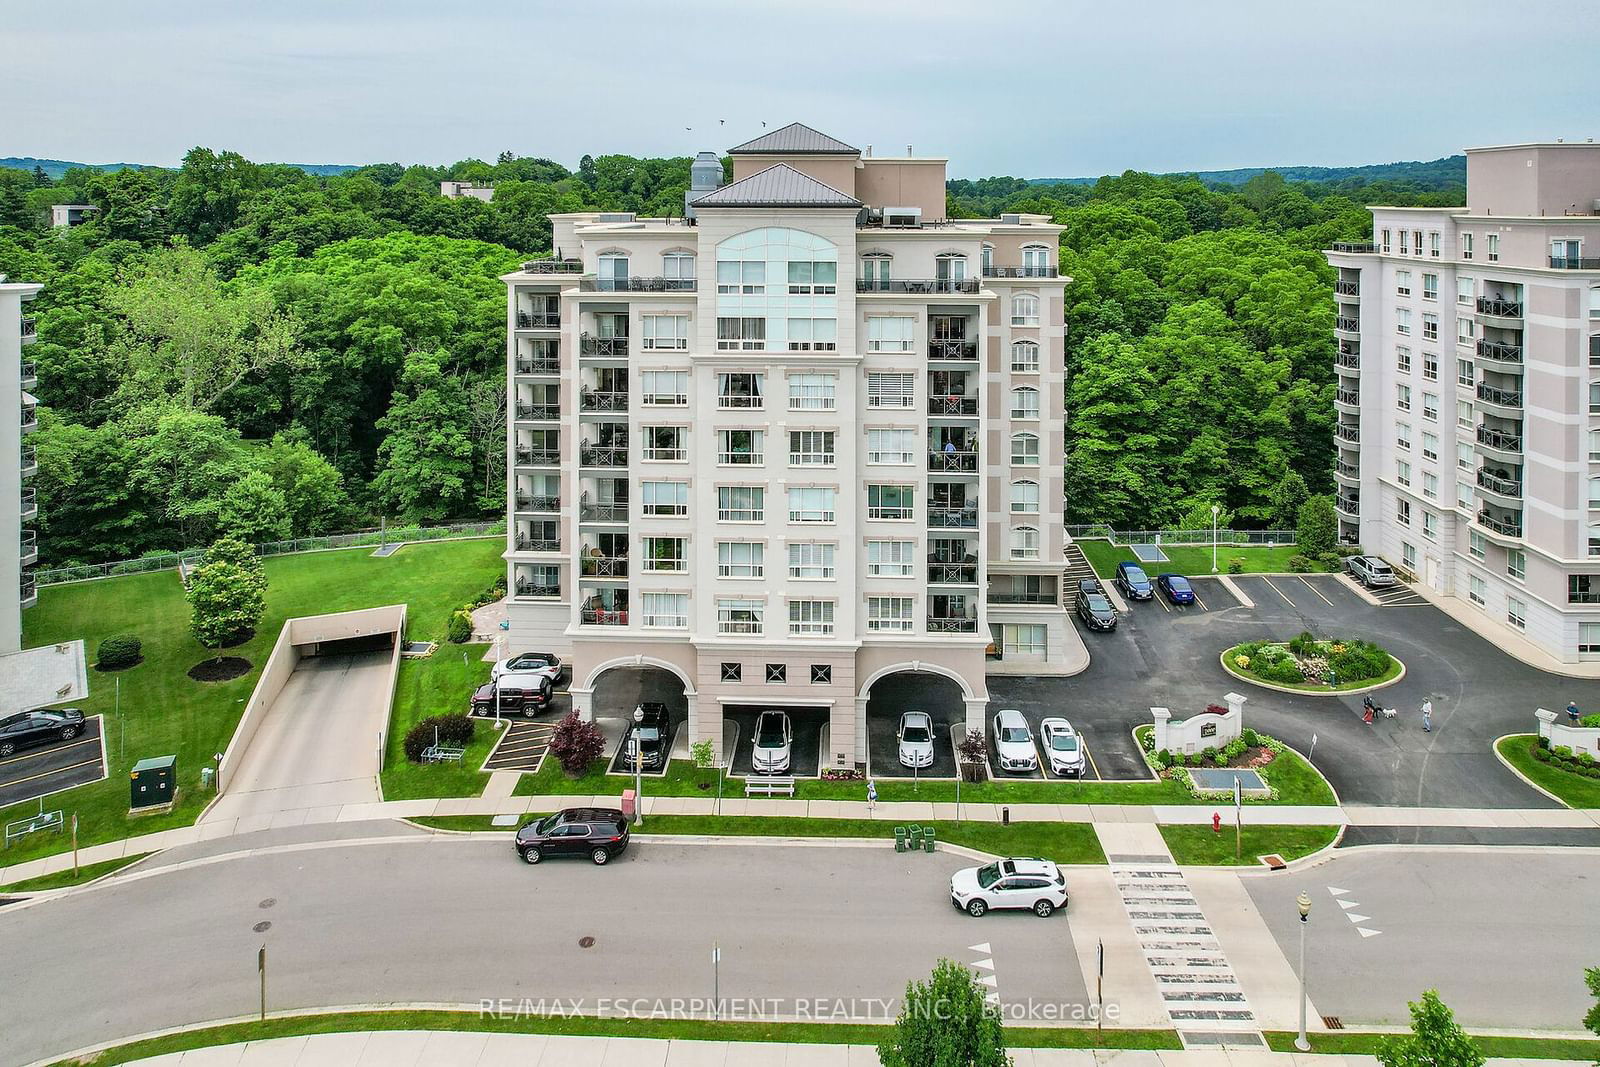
(527, 502)
(538, 412)
(1564, 263)
(610, 511)
(953, 460)
(596, 400)
(1350, 472)
(538, 457)
(30, 418)
(29, 547)
(538, 365)
(1348, 431)
(30, 329)
(30, 503)
(953, 350)
(1506, 398)
(603, 456)
(1499, 440)
(604, 616)
(917, 285)
(1347, 288)
(1499, 351)
(29, 373)
(1350, 398)
(1508, 525)
(553, 266)
(992, 271)
(538, 320)
(952, 573)
(1354, 247)
(538, 544)
(30, 462)
(658, 284)
(953, 405)
(593, 566)
(589, 345)
(1348, 355)
(1498, 308)
(948, 625)
(945, 517)
(1499, 484)
(526, 588)
(29, 590)
(1348, 325)
(1347, 504)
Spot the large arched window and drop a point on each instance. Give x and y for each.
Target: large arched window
(950, 267)
(1025, 310)
(1024, 356)
(1036, 261)
(1024, 450)
(1025, 497)
(1024, 402)
(774, 260)
(1024, 543)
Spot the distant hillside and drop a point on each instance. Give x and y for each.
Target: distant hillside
(1432, 174)
(55, 168)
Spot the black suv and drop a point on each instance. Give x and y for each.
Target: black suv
(514, 698)
(27, 729)
(652, 734)
(599, 833)
(1094, 607)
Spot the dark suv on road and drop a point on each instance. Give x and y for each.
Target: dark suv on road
(517, 696)
(598, 833)
(1094, 607)
(652, 734)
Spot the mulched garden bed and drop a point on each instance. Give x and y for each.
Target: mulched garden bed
(220, 670)
(240, 638)
(116, 670)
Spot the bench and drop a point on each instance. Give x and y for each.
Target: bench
(768, 786)
(443, 754)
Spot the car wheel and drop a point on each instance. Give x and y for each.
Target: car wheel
(600, 856)
(976, 908)
(6, 749)
(532, 855)
(1043, 908)
(68, 733)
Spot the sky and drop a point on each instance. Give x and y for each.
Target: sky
(1032, 89)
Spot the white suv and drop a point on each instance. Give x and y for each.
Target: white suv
(770, 750)
(1013, 742)
(1037, 885)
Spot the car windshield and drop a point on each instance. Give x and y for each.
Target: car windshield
(988, 876)
(1380, 568)
(649, 733)
(545, 825)
(915, 734)
(1135, 575)
(1014, 733)
(771, 735)
(1180, 584)
(1098, 603)
(51, 716)
(1064, 742)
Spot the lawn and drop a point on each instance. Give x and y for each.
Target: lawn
(1061, 842)
(1575, 790)
(161, 711)
(1197, 846)
(62, 879)
(1291, 774)
(1512, 1048)
(1190, 559)
(443, 682)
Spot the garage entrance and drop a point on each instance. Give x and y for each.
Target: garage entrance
(806, 725)
(910, 691)
(619, 690)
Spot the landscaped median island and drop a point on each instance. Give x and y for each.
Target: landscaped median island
(1573, 778)
(1287, 774)
(1308, 664)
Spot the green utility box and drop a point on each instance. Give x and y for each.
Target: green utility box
(153, 782)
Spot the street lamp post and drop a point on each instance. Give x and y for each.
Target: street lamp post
(638, 766)
(1214, 511)
(1305, 913)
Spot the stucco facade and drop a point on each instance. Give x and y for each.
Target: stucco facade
(18, 544)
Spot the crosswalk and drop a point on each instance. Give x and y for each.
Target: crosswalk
(521, 747)
(1198, 987)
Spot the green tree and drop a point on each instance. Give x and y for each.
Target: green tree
(1287, 496)
(1197, 516)
(253, 510)
(210, 190)
(1591, 978)
(184, 463)
(1316, 526)
(944, 1022)
(1436, 1039)
(426, 455)
(313, 489)
(227, 594)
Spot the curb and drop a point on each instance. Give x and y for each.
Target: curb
(1494, 746)
(1310, 859)
(1222, 659)
(1233, 587)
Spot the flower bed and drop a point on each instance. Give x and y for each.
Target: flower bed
(1313, 664)
(1566, 759)
(1250, 749)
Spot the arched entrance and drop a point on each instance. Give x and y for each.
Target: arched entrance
(889, 693)
(612, 690)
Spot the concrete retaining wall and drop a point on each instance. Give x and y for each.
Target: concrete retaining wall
(280, 664)
(1577, 738)
(1199, 732)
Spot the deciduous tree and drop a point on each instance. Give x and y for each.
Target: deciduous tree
(945, 1022)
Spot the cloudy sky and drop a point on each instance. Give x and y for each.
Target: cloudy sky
(1035, 89)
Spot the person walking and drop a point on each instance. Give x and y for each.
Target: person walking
(1572, 712)
(1427, 716)
(1368, 708)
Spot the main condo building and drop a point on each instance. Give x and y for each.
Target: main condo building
(804, 437)
(1468, 396)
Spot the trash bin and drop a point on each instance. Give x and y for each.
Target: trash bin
(927, 839)
(899, 838)
(629, 801)
(914, 837)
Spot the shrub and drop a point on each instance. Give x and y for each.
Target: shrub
(1303, 643)
(576, 744)
(1250, 738)
(703, 753)
(1285, 671)
(118, 651)
(455, 728)
(1358, 661)
(460, 629)
(1236, 565)
(1330, 561)
(1234, 749)
(1209, 753)
(1300, 564)
(1589, 720)
(1157, 760)
(495, 591)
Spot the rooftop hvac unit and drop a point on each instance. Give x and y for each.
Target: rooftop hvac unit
(1011, 220)
(705, 175)
(615, 216)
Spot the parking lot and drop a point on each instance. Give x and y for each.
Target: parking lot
(38, 772)
(805, 752)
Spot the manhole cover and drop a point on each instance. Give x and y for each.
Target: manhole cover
(586, 942)
(269, 902)
(262, 927)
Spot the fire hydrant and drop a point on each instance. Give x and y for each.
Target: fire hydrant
(1216, 822)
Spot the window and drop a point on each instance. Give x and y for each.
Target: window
(613, 270)
(1402, 472)
(1416, 239)
(1383, 241)
(1025, 402)
(1402, 511)
(664, 388)
(1594, 540)
(1594, 446)
(1024, 356)
(890, 559)
(741, 503)
(1430, 326)
(1402, 359)
(1430, 366)
(1035, 261)
(891, 390)
(1477, 590)
(813, 392)
(1433, 244)
(812, 503)
(1430, 445)
(889, 333)
(1430, 486)
(1477, 544)
(1516, 564)
(732, 672)
(950, 266)
(1594, 398)
(890, 502)
(1402, 321)
(1408, 555)
(1024, 450)
(1466, 246)
(665, 498)
(736, 616)
(1464, 456)
(1588, 638)
(741, 334)
(677, 266)
(665, 331)
(1023, 639)
(813, 335)
(811, 448)
(1402, 397)
(875, 271)
(889, 613)
(1594, 493)
(1024, 543)
(663, 554)
(777, 673)
(1430, 406)
(1464, 494)
(739, 390)
(1430, 287)
(810, 561)
(1402, 282)
(822, 674)
(1402, 435)
(1025, 310)
(1466, 329)
(1464, 291)
(1405, 243)
(1465, 373)
(810, 618)
(813, 277)
(1430, 526)
(666, 611)
(1594, 304)
(741, 277)
(741, 448)
(665, 443)
(1464, 414)
(741, 559)
(1493, 243)
(1025, 498)
(891, 446)
(1516, 610)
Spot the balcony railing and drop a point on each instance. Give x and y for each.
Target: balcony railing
(1563, 263)
(1503, 527)
(1349, 325)
(1349, 360)
(956, 460)
(30, 328)
(636, 285)
(1349, 470)
(602, 346)
(530, 589)
(1348, 503)
(917, 285)
(1499, 351)
(1496, 484)
(30, 462)
(616, 511)
(953, 573)
(538, 544)
(1348, 432)
(29, 373)
(1507, 398)
(1583, 596)
(30, 418)
(604, 566)
(960, 350)
(538, 503)
(589, 400)
(29, 545)
(538, 457)
(738, 400)
(538, 320)
(538, 412)
(947, 518)
(553, 266)
(992, 271)
(596, 456)
(1505, 442)
(1347, 288)
(1505, 309)
(944, 625)
(30, 502)
(1347, 396)
(28, 590)
(604, 617)
(1001, 597)
(952, 405)
(1354, 246)
(538, 365)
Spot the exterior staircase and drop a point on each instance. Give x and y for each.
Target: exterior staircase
(1077, 569)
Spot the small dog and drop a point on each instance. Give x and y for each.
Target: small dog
(1389, 713)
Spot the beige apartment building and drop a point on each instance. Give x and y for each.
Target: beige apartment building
(19, 546)
(1468, 397)
(804, 437)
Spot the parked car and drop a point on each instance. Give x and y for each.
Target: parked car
(1062, 747)
(1013, 742)
(774, 737)
(521, 697)
(1034, 884)
(652, 734)
(1131, 579)
(1370, 571)
(1094, 607)
(30, 729)
(599, 833)
(536, 664)
(916, 739)
(1176, 588)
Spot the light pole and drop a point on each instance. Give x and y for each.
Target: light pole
(1305, 913)
(638, 766)
(1214, 511)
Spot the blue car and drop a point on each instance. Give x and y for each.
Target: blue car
(1176, 588)
(1131, 579)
